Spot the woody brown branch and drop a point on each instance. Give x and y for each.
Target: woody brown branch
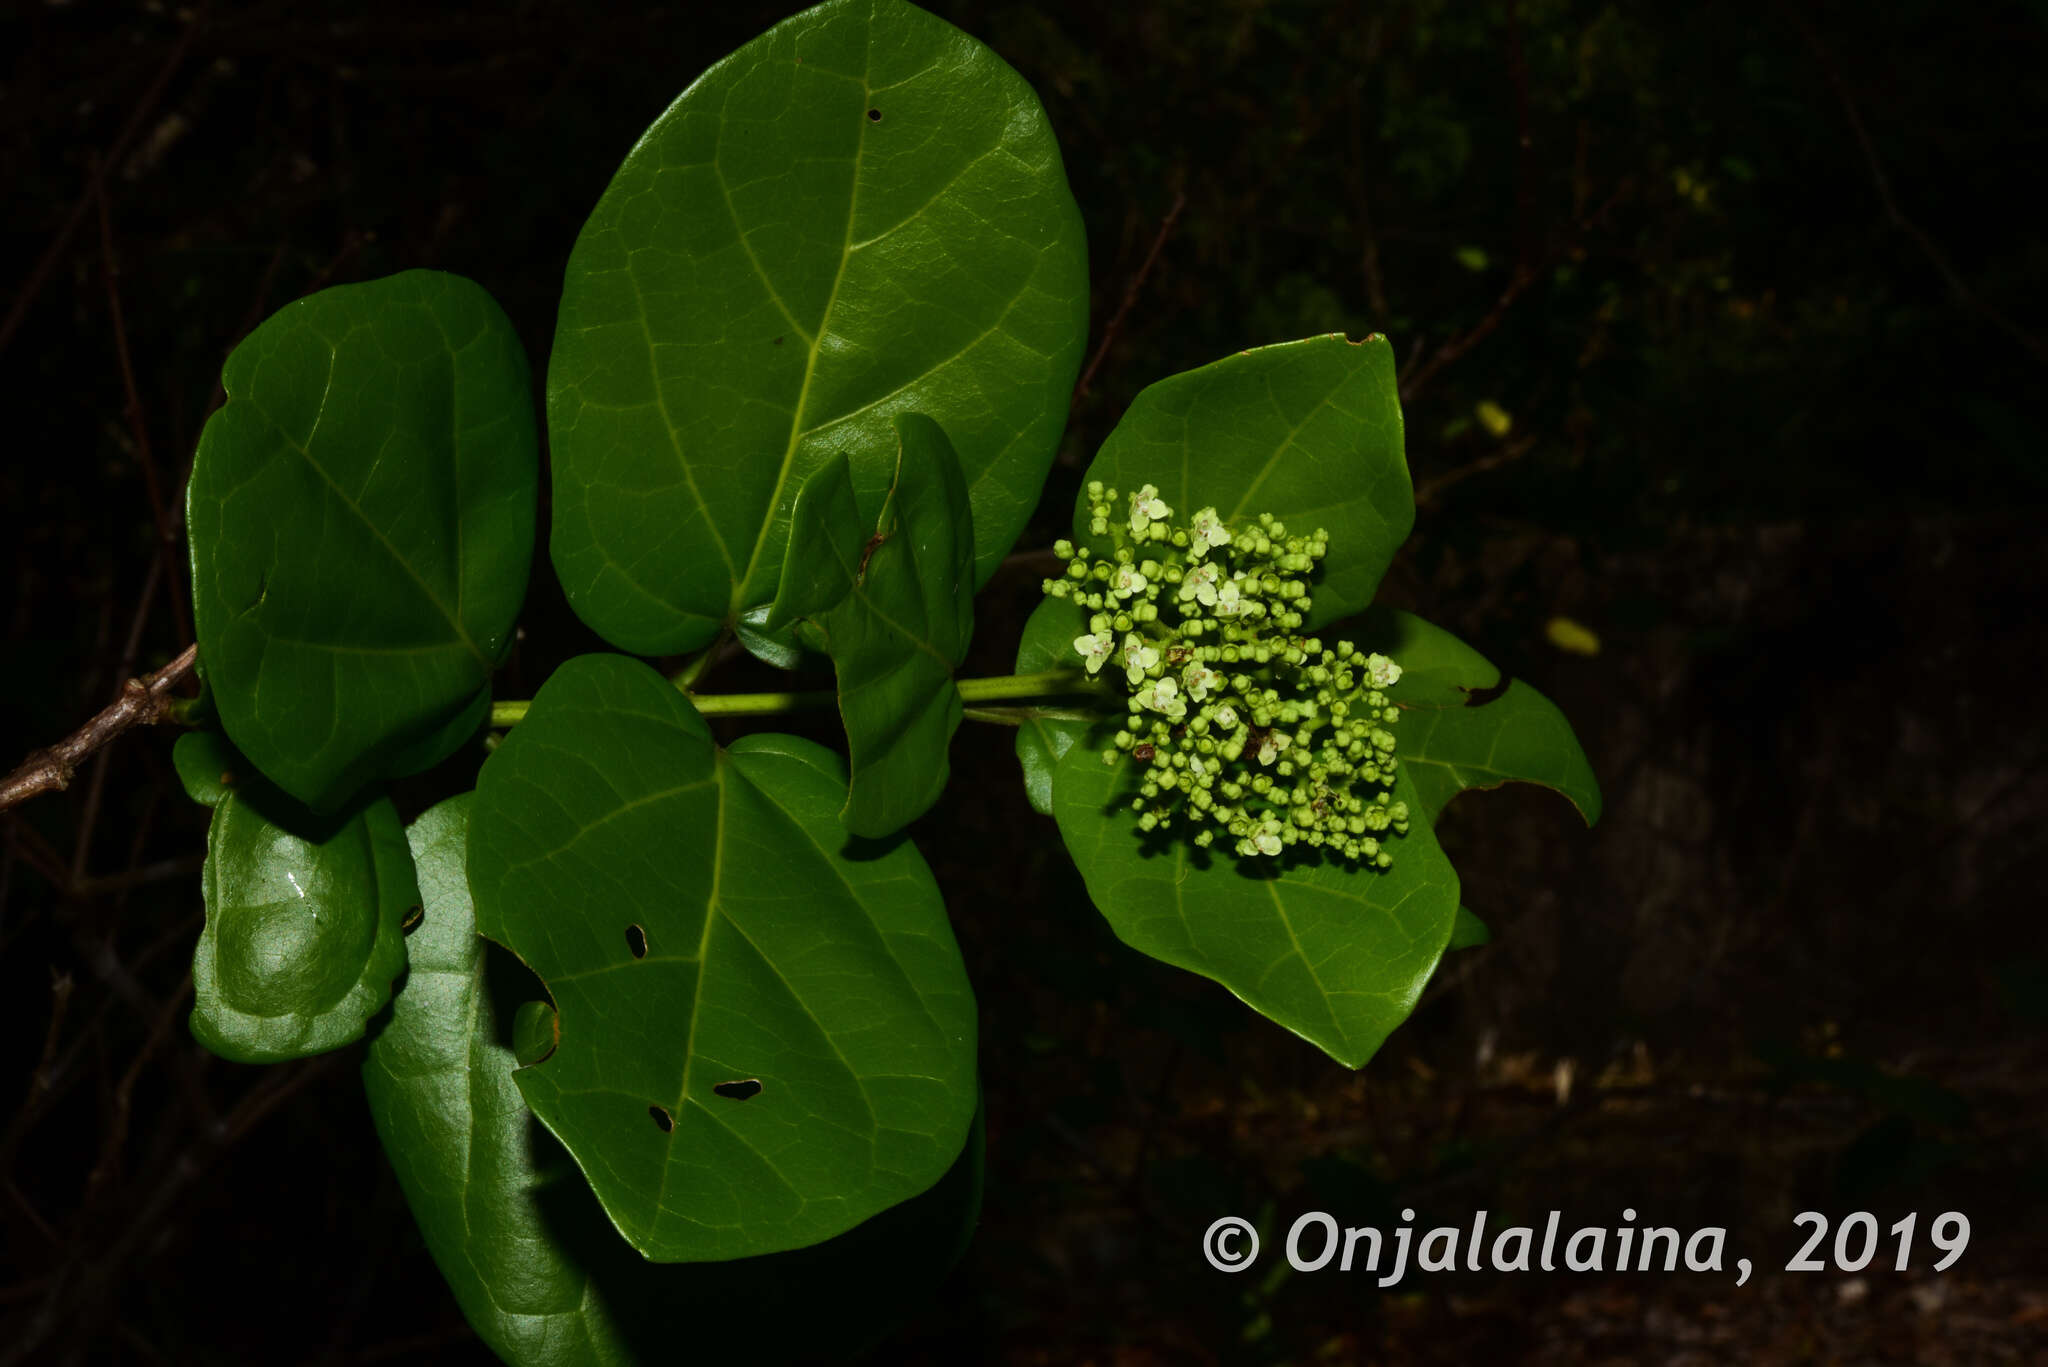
(143, 702)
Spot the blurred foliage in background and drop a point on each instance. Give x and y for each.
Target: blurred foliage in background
(1723, 357)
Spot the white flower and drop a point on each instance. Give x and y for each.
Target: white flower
(1163, 696)
(1127, 581)
(1383, 672)
(1268, 838)
(1206, 531)
(1095, 649)
(1138, 657)
(1199, 679)
(1200, 582)
(1229, 601)
(1146, 508)
(1271, 746)
(1224, 718)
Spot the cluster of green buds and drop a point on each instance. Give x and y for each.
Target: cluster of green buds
(1245, 727)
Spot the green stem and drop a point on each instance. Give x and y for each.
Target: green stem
(1050, 683)
(687, 677)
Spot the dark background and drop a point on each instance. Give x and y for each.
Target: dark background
(1758, 292)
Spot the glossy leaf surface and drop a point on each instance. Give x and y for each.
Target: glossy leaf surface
(1459, 729)
(362, 513)
(702, 923)
(1308, 431)
(539, 1271)
(1337, 955)
(894, 598)
(1048, 643)
(861, 213)
(303, 912)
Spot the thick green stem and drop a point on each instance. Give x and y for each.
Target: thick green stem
(1051, 683)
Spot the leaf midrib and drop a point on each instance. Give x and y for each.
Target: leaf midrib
(813, 347)
(306, 454)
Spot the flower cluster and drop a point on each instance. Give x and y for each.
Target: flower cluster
(1244, 726)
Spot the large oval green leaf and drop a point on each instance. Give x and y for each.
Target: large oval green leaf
(859, 214)
(362, 512)
(304, 913)
(894, 598)
(1308, 431)
(1461, 729)
(1337, 955)
(766, 1036)
(539, 1271)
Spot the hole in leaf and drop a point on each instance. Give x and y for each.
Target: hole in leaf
(743, 1090)
(636, 940)
(663, 1121)
(874, 116)
(413, 916)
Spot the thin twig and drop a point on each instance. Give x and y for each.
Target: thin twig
(115, 1136)
(1485, 327)
(145, 455)
(143, 702)
(95, 790)
(1116, 322)
(161, 871)
(25, 297)
(60, 1002)
(1929, 248)
(1430, 490)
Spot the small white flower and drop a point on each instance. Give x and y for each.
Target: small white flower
(1128, 581)
(1138, 657)
(1205, 532)
(1383, 672)
(1095, 649)
(1224, 718)
(1163, 696)
(1271, 746)
(1146, 508)
(1268, 838)
(1229, 601)
(1199, 679)
(1200, 583)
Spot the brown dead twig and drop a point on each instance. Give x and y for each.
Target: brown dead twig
(45, 265)
(1430, 490)
(1929, 248)
(1524, 277)
(145, 456)
(143, 702)
(1116, 322)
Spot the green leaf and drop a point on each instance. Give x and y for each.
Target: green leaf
(700, 921)
(304, 912)
(1468, 932)
(859, 214)
(536, 1266)
(1308, 431)
(1461, 729)
(1337, 955)
(1048, 643)
(894, 599)
(536, 1029)
(362, 515)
